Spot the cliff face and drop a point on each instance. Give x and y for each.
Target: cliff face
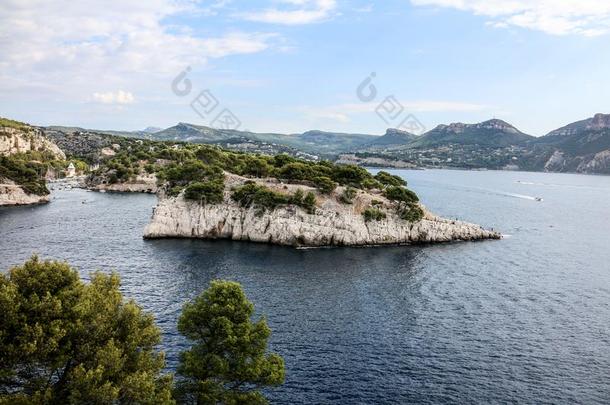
(13, 194)
(333, 224)
(22, 139)
(13, 140)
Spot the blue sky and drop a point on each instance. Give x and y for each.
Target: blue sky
(294, 65)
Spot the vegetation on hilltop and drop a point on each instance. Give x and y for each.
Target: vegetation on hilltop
(27, 173)
(5, 122)
(198, 171)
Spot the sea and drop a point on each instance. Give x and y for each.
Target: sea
(525, 319)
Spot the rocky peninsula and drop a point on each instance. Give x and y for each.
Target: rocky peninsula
(331, 223)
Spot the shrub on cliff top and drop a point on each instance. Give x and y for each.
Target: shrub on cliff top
(373, 214)
(401, 195)
(411, 213)
(254, 195)
(5, 122)
(209, 192)
(347, 197)
(388, 179)
(324, 184)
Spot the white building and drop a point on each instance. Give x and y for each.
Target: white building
(71, 170)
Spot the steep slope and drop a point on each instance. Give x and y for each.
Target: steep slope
(492, 133)
(25, 157)
(583, 146)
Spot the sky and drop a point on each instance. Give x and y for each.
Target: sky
(288, 66)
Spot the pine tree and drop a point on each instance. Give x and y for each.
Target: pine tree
(228, 362)
(66, 342)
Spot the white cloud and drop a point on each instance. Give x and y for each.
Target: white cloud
(72, 48)
(557, 17)
(118, 97)
(299, 12)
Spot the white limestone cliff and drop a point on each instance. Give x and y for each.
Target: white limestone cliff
(14, 141)
(333, 224)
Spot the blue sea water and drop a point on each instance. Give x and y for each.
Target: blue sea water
(524, 319)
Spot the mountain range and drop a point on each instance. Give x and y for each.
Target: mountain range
(583, 146)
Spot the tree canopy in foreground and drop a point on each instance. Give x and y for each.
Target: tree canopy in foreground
(63, 341)
(228, 362)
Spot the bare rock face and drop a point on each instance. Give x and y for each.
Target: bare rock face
(333, 224)
(598, 163)
(14, 140)
(556, 162)
(13, 194)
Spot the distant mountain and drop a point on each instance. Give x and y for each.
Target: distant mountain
(583, 146)
(71, 130)
(598, 122)
(492, 133)
(392, 138)
(319, 142)
(587, 136)
(152, 130)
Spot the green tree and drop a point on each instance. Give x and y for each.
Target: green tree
(66, 342)
(228, 362)
(309, 202)
(373, 214)
(401, 195)
(388, 179)
(324, 184)
(210, 192)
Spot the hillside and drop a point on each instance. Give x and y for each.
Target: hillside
(316, 142)
(582, 147)
(27, 157)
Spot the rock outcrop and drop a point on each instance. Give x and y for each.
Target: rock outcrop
(21, 138)
(333, 224)
(13, 140)
(12, 194)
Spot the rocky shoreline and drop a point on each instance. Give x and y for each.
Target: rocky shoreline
(332, 224)
(12, 194)
(143, 183)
